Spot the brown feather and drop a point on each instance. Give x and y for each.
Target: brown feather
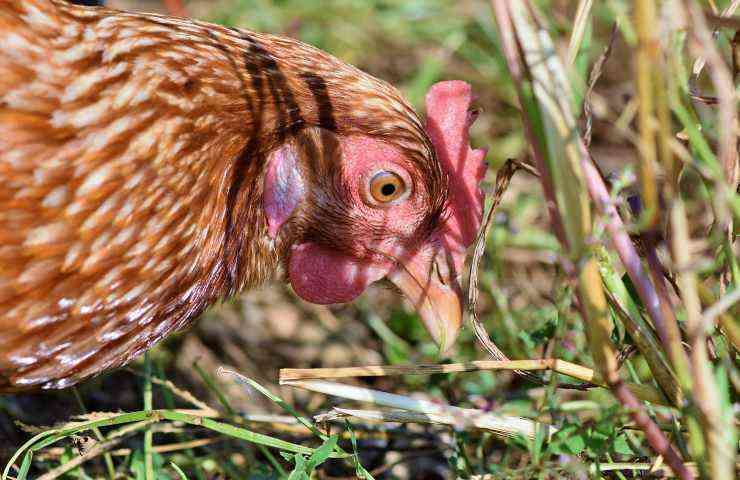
(131, 149)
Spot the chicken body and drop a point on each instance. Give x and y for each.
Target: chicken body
(136, 186)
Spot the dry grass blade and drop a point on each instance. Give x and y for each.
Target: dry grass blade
(583, 15)
(397, 416)
(648, 64)
(725, 89)
(177, 391)
(503, 178)
(585, 374)
(56, 452)
(183, 394)
(596, 72)
(718, 437)
(727, 13)
(465, 418)
(715, 310)
(724, 304)
(560, 366)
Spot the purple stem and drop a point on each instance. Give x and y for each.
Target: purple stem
(653, 433)
(624, 246)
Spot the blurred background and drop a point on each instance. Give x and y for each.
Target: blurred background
(411, 44)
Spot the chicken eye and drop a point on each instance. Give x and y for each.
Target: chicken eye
(386, 187)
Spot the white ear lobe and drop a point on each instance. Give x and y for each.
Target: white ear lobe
(284, 187)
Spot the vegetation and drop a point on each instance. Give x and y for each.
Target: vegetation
(609, 251)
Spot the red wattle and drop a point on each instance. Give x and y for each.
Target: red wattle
(324, 276)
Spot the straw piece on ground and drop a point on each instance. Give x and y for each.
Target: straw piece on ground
(644, 392)
(464, 418)
(560, 366)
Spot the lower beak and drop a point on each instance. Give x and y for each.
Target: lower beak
(430, 282)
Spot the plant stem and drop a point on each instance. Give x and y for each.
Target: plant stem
(648, 50)
(98, 434)
(718, 434)
(148, 434)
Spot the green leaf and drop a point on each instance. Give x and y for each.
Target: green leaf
(237, 432)
(621, 446)
(360, 471)
(137, 466)
(322, 453)
(568, 440)
(25, 466)
(299, 471)
(287, 456)
(244, 380)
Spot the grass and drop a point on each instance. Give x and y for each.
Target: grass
(621, 322)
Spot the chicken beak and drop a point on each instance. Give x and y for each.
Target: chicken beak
(430, 284)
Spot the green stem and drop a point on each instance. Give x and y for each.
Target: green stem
(148, 434)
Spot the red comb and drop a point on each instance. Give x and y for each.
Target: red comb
(448, 120)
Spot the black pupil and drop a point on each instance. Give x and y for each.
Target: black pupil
(388, 189)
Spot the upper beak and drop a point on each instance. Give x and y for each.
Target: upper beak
(430, 282)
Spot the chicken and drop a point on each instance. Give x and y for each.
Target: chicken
(151, 166)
